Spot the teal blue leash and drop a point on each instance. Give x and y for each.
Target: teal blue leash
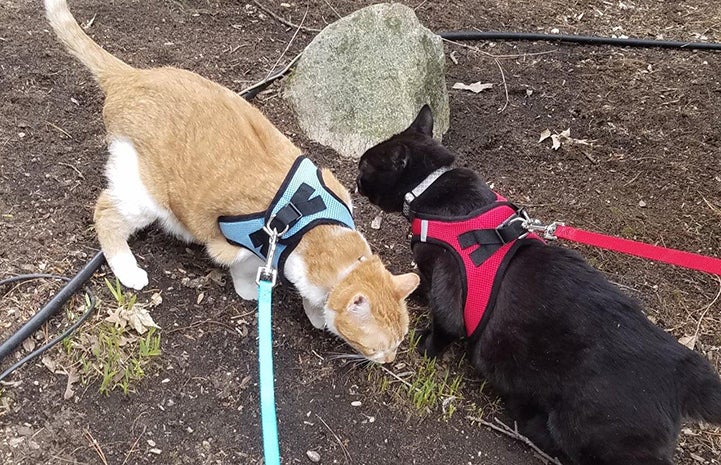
(266, 279)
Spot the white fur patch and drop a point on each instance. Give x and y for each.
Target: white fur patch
(295, 271)
(126, 269)
(130, 195)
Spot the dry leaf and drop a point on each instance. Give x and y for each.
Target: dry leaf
(72, 378)
(688, 341)
(476, 87)
(564, 137)
(156, 299)
(29, 344)
(49, 363)
(556, 141)
(116, 317)
(217, 276)
(140, 319)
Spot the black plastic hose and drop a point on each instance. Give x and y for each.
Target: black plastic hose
(52, 307)
(586, 40)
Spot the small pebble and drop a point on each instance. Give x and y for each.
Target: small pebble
(642, 204)
(151, 443)
(155, 451)
(313, 456)
(356, 403)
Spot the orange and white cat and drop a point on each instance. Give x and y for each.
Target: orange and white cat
(185, 151)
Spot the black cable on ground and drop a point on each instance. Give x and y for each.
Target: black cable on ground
(90, 305)
(51, 308)
(585, 40)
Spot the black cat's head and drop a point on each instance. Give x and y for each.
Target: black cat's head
(389, 170)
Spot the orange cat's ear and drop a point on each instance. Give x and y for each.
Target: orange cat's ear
(359, 305)
(405, 284)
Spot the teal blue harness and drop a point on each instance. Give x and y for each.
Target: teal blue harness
(303, 202)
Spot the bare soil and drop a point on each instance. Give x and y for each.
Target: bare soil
(651, 171)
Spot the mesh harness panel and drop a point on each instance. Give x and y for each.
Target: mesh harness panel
(302, 202)
(483, 243)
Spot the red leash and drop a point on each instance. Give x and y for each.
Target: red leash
(639, 249)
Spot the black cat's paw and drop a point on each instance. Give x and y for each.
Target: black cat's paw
(426, 345)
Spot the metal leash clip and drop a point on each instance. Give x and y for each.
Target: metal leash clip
(267, 272)
(534, 225)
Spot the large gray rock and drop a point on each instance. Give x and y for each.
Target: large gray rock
(364, 78)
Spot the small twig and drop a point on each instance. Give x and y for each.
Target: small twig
(60, 129)
(505, 86)
(420, 5)
(623, 286)
(713, 209)
(703, 315)
(517, 55)
(283, 20)
(96, 446)
(132, 449)
(513, 433)
(73, 168)
(270, 71)
(331, 7)
(342, 446)
(274, 77)
(74, 462)
(201, 323)
(633, 179)
(396, 376)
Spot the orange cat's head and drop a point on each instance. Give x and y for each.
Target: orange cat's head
(368, 310)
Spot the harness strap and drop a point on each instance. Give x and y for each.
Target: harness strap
(483, 243)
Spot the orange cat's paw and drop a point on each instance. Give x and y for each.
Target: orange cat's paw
(128, 272)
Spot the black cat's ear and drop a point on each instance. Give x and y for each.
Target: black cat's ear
(424, 121)
(399, 158)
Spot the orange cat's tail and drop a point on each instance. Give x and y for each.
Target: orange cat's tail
(92, 55)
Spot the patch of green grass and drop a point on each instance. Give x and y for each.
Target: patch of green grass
(491, 405)
(110, 350)
(432, 386)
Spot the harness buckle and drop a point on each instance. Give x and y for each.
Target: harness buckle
(508, 222)
(533, 225)
(267, 272)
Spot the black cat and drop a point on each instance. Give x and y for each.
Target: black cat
(584, 373)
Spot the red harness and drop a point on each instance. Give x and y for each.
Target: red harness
(484, 243)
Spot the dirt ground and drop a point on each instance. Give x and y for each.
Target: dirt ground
(651, 170)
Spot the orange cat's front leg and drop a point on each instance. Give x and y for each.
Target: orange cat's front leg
(113, 231)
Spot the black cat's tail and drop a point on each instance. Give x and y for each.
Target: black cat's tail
(703, 390)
